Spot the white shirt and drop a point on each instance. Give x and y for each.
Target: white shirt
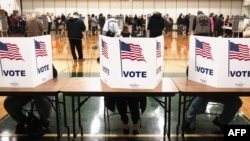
(112, 25)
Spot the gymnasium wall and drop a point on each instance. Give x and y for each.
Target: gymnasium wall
(116, 7)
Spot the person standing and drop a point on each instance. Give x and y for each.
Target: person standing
(34, 27)
(101, 22)
(111, 24)
(49, 18)
(75, 28)
(94, 25)
(156, 25)
(201, 24)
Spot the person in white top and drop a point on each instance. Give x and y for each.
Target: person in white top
(112, 25)
(246, 29)
(49, 22)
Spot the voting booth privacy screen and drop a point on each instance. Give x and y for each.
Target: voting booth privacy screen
(25, 61)
(131, 62)
(220, 62)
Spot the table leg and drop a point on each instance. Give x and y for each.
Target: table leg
(183, 118)
(79, 115)
(169, 117)
(179, 116)
(65, 115)
(73, 117)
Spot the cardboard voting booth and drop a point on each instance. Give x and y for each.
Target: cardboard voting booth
(25, 61)
(220, 62)
(131, 62)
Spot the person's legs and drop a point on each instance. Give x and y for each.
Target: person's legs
(78, 44)
(197, 106)
(231, 106)
(44, 109)
(72, 48)
(133, 104)
(14, 106)
(121, 104)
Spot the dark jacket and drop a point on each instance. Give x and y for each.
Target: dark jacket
(110, 103)
(156, 24)
(75, 28)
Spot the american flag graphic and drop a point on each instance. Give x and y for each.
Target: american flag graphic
(239, 51)
(158, 49)
(131, 51)
(40, 49)
(203, 49)
(105, 49)
(10, 51)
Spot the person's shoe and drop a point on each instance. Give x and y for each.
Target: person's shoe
(21, 128)
(218, 123)
(80, 61)
(136, 129)
(125, 129)
(135, 132)
(189, 126)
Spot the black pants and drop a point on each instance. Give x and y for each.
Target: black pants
(133, 103)
(76, 44)
(14, 105)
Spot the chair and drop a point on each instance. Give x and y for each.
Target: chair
(237, 24)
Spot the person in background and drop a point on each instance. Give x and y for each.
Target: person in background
(156, 25)
(212, 24)
(246, 29)
(125, 31)
(94, 25)
(34, 27)
(111, 24)
(201, 24)
(49, 18)
(180, 24)
(75, 28)
(101, 22)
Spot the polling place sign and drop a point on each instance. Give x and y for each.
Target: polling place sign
(131, 62)
(220, 62)
(25, 61)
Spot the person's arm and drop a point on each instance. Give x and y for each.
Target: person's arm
(194, 24)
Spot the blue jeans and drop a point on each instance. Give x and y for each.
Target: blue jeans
(231, 106)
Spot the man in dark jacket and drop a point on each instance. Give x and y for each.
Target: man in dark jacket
(156, 25)
(75, 28)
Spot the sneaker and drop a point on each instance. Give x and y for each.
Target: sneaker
(81, 60)
(125, 129)
(136, 129)
(189, 126)
(21, 128)
(217, 123)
